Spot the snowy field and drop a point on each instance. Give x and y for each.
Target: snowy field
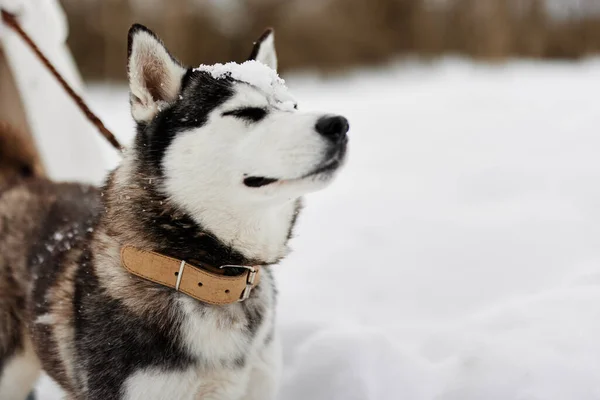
(458, 255)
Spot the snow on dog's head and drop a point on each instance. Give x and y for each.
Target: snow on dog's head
(227, 132)
(257, 75)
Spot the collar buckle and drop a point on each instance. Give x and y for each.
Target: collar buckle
(252, 271)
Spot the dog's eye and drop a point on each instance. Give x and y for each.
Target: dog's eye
(253, 114)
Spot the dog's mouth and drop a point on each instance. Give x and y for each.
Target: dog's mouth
(327, 167)
(258, 181)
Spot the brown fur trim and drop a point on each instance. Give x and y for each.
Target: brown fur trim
(19, 158)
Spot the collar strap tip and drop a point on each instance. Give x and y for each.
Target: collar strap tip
(252, 272)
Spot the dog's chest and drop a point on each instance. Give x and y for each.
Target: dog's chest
(186, 385)
(224, 341)
(214, 335)
(225, 335)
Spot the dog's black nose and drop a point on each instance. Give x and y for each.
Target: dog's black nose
(333, 128)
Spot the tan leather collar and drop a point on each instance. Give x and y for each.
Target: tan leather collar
(200, 284)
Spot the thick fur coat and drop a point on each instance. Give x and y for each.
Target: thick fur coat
(215, 176)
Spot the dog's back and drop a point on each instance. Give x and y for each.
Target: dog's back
(33, 213)
(19, 158)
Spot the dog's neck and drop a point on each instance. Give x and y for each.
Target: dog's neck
(259, 233)
(137, 213)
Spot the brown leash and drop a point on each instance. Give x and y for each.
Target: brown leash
(10, 20)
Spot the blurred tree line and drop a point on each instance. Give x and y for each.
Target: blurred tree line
(330, 35)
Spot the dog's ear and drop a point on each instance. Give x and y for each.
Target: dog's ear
(264, 49)
(154, 75)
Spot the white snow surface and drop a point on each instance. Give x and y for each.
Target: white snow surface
(458, 255)
(255, 74)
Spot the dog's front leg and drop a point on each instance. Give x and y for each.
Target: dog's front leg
(265, 372)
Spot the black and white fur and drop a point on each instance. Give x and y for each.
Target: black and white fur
(215, 176)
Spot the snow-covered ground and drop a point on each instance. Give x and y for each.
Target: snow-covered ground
(458, 255)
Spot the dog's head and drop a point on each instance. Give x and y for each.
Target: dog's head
(227, 131)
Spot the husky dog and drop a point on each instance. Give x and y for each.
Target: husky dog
(214, 177)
